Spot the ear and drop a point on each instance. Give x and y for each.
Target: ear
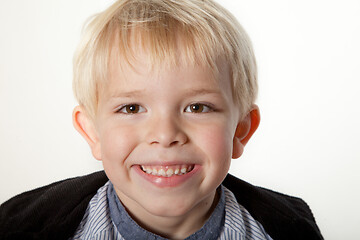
(85, 126)
(244, 130)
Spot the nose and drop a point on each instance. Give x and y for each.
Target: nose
(166, 130)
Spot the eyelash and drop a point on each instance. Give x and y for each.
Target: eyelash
(125, 107)
(204, 108)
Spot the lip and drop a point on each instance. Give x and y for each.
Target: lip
(166, 182)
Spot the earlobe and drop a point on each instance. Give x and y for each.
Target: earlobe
(245, 129)
(85, 126)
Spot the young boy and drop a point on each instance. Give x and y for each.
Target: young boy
(166, 93)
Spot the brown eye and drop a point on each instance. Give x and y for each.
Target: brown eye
(198, 108)
(131, 109)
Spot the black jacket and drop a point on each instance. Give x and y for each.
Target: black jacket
(55, 211)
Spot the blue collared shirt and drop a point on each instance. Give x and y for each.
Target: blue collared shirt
(106, 218)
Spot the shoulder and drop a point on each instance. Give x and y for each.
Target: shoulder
(55, 208)
(282, 216)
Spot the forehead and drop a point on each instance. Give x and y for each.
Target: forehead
(139, 73)
(124, 72)
(139, 55)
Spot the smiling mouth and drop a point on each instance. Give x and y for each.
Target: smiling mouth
(168, 171)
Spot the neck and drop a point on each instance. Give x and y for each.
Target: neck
(173, 227)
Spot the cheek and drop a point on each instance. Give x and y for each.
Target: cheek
(116, 144)
(217, 143)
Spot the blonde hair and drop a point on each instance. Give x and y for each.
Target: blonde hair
(208, 33)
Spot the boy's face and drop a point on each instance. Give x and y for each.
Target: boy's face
(165, 137)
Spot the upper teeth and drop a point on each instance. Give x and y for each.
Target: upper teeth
(167, 171)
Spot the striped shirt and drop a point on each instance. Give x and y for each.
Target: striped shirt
(97, 223)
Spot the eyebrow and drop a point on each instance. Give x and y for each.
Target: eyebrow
(189, 93)
(202, 91)
(129, 94)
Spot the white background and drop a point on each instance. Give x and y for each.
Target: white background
(308, 141)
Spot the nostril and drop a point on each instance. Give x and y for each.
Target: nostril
(166, 132)
(174, 143)
(169, 143)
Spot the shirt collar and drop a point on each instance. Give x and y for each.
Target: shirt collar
(129, 229)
